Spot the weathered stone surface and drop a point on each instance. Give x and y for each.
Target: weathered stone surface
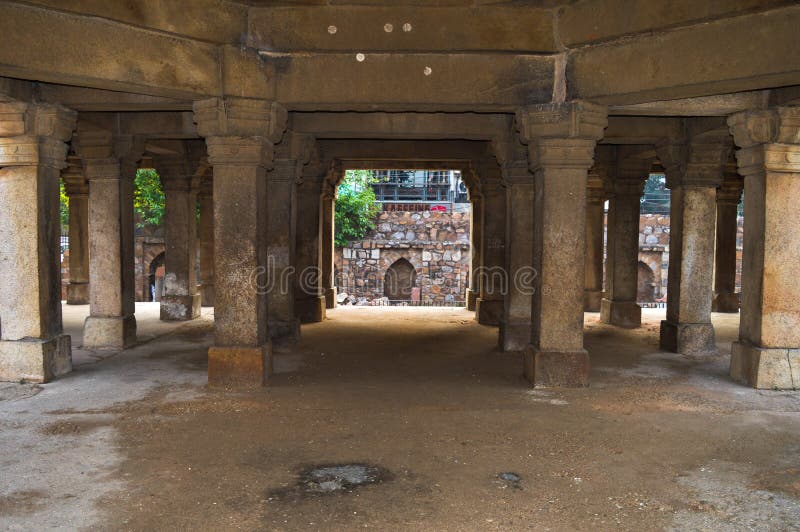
(33, 360)
(206, 245)
(239, 367)
(116, 332)
(765, 368)
(562, 369)
(180, 308)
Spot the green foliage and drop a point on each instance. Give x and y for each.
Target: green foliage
(148, 199)
(655, 199)
(64, 207)
(355, 207)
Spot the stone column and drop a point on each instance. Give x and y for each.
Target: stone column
(515, 326)
(493, 277)
(309, 299)
(281, 191)
(561, 142)
(181, 299)
(767, 354)
(205, 198)
(619, 306)
(32, 153)
(110, 167)
(595, 229)
(240, 134)
(728, 196)
(694, 170)
(476, 250)
(77, 189)
(327, 222)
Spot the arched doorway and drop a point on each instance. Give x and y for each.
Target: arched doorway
(645, 292)
(399, 281)
(155, 284)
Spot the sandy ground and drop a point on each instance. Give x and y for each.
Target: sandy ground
(136, 441)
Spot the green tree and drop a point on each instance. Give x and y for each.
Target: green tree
(64, 207)
(355, 207)
(148, 199)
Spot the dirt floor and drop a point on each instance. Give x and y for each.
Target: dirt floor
(420, 406)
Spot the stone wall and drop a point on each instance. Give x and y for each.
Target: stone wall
(437, 244)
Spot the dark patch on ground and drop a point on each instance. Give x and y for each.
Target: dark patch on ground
(21, 502)
(72, 427)
(328, 479)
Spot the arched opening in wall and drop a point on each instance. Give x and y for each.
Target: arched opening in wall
(400, 282)
(646, 288)
(156, 278)
(402, 236)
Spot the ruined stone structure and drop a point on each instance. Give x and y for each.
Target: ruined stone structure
(435, 244)
(546, 108)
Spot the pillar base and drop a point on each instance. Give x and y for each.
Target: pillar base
(78, 293)
(35, 360)
(566, 369)
(773, 369)
(288, 330)
(591, 300)
(621, 313)
(330, 297)
(113, 332)
(515, 336)
(207, 295)
(180, 308)
(239, 367)
(471, 298)
(687, 338)
(488, 311)
(310, 309)
(725, 303)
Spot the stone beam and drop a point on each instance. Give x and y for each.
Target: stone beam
(403, 150)
(747, 52)
(85, 99)
(46, 45)
(409, 28)
(595, 21)
(153, 125)
(641, 129)
(716, 105)
(214, 21)
(469, 126)
(414, 81)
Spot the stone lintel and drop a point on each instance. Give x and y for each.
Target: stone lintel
(569, 369)
(239, 366)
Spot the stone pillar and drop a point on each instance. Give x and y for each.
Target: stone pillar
(32, 153)
(205, 198)
(476, 250)
(309, 299)
(595, 229)
(561, 142)
(619, 306)
(181, 299)
(77, 189)
(694, 170)
(110, 167)
(281, 189)
(728, 196)
(240, 134)
(327, 222)
(493, 277)
(515, 326)
(767, 354)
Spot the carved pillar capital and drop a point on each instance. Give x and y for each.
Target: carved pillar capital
(769, 140)
(240, 117)
(35, 134)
